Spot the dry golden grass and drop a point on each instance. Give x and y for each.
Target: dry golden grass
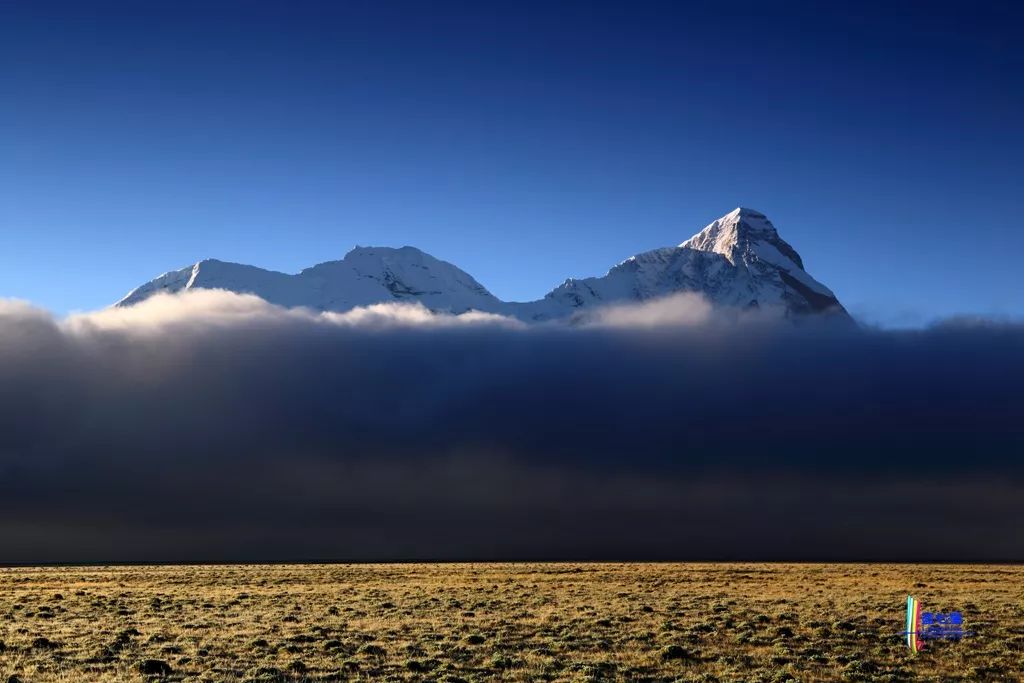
(503, 622)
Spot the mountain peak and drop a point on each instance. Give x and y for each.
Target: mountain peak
(360, 251)
(749, 241)
(733, 234)
(745, 212)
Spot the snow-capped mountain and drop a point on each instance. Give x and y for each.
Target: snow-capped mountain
(367, 275)
(738, 260)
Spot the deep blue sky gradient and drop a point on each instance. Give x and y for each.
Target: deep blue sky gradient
(523, 141)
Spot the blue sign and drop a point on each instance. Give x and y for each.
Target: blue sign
(939, 626)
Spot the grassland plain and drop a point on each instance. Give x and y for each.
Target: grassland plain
(503, 622)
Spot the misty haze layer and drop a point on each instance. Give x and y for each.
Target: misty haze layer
(214, 426)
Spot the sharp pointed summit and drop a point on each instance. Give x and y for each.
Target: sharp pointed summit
(749, 241)
(738, 260)
(733, 233)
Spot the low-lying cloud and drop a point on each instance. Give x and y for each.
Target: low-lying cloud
(214, 426)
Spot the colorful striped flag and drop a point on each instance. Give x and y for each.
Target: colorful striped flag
(913, 625)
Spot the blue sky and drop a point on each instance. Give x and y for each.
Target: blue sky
(525, 142)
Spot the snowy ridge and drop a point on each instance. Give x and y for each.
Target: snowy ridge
(367, 275)
(738, 260)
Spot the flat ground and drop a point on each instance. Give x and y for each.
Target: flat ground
(503, 622)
